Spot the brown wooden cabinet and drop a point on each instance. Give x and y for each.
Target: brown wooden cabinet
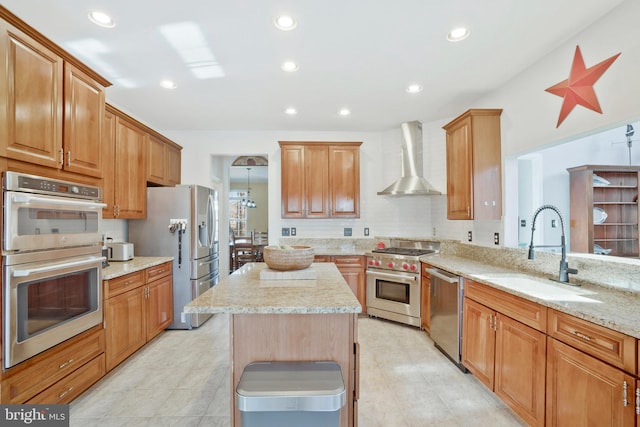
(65, 102)
(582, 390)
(425, 300)
(125, 189)
(163, 161)
(138, 306)
(618, 199)
(59, 374)
(474, 165)
(352, 268)
(320, 179)
(506, 355)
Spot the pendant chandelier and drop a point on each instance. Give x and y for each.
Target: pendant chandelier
(247, 201)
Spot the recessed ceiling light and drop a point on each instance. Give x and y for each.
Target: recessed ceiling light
(289, 66)
(101, 19)
(458, 34)
(291, 111)
(285, 23)
(168, 84)
(344, 112)
(414, 88)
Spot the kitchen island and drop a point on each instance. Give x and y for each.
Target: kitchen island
(288, 320)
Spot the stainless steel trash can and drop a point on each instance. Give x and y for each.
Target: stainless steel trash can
(291, 394)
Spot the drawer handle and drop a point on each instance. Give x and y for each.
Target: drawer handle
(581, 335)
(625, 402)
(65, 392)
(65, 364)
(637, 401)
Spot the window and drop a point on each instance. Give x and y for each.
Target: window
(238, 213)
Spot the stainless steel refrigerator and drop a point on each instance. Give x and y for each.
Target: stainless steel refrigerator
(182, 222)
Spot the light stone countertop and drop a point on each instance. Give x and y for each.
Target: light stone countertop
(244, 292)
(120, 268)
(615, 309)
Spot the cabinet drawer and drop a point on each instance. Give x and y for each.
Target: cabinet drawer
(520, 309)
(36, 374)
(348, 260)
(158, 271)
(122, 284)
(603, 343)
(322, 258)
(70, 387)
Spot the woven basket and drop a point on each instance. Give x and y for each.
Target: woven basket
(288, 257)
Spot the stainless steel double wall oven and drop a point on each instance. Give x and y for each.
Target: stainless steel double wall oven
(51, 263)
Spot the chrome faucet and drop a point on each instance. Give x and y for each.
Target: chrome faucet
(564, 265)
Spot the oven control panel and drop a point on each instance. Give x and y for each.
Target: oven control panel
(394, 263)
(15, 181)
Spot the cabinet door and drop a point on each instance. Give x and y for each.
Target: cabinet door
(108, 156)
(583, 391)
(520, 365)
(292, 185)
(344, 181)
(130, 170)
(425, 300)
(460, 172)
(173, 171)
(353, 270)
(31, 80)
(478, 341)
(316, 170)
(156, 160)
(159, 306)
(83, 121)
(125, 325)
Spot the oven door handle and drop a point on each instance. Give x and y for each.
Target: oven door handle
(26, 198)
(396, 277)
(440, 275)
(47, 268)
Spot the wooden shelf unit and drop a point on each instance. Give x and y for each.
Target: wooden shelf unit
(619, 199)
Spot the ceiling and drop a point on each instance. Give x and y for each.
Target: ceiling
(358, 54)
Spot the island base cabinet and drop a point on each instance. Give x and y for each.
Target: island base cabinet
(296, 337)
(583, 391)
(508, 357)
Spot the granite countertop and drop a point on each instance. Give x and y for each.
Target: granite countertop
(605, 306)
(244, 292)
(120, 268)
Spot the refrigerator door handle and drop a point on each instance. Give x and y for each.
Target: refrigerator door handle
(210, 221)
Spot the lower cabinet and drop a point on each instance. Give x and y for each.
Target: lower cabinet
(508, 356)
(352, 268)
(584, 391)
(425, 299)
(57, 375)
(138, 306)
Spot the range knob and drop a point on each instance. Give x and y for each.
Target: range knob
(414, 267)
(371, 262)
(390, 264)
(378, 263)
(405, 266)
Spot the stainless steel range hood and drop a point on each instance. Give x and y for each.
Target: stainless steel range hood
(411, 183)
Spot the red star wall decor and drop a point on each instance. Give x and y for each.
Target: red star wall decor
(578, 88)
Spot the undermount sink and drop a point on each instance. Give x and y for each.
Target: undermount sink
(544, 289)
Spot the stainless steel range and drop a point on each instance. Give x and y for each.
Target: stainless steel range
(394, 281)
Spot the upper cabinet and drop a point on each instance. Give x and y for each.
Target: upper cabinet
(125, 187)
(320, 179)
(64, 100)
(474, 165)
(163, 161)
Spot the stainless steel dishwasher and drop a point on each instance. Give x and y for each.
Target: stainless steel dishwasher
(446, 313)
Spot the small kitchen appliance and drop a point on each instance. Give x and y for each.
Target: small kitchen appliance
(120, 251)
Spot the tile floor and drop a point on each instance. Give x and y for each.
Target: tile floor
(182, 379)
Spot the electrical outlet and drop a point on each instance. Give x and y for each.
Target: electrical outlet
(496, 238)
(433, 231)
(347, 232)
(285, 231)
(366, 231)
(554, 223)
(293, 231)
(469, 236)
(523, 223)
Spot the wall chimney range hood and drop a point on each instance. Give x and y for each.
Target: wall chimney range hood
(411, 183)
